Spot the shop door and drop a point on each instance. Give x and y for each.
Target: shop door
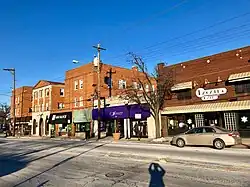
(120, 124)
(109, 126)
(211, 119)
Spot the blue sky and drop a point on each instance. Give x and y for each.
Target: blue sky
(41, 38)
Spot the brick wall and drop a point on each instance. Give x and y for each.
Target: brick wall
(212, 68)
(88, 75)
(23, 101)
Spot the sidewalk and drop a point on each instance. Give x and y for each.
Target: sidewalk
(166, 140)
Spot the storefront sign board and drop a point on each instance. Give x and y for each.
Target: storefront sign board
(210, 94)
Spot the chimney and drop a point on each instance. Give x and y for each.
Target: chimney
(134, 68)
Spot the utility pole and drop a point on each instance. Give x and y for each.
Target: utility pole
(13, 72)
(99, 48)
(110, 72)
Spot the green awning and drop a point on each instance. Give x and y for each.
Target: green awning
(82, 116)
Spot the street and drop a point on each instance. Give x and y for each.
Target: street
(37, 163)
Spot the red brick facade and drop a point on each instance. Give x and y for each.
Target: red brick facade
(88, 76)
(23, 103)
(216, 69)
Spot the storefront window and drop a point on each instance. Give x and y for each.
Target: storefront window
(242, 88)
(80, 127)
(63, 127)
(183, 95)
(139, 127)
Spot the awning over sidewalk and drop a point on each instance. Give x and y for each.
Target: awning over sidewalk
(239, 77)
(211, 107)
(182, 86)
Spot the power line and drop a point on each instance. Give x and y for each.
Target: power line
(209, 44)
(185, 35)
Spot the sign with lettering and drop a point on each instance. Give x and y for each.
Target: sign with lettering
(210, 94)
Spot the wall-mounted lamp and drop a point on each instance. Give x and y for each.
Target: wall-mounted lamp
(206, 81)
(195, 84)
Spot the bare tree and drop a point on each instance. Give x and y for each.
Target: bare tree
(151, 88)
(4, 113)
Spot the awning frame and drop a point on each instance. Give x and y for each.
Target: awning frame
(237, 77)
(182, 86)
(208, 107)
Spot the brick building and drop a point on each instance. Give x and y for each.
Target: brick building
(80, 91)
(48, 98)
(23, 105)
(213, 90)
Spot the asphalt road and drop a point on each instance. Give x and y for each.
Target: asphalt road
(37, 163)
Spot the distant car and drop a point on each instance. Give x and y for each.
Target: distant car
(214, 136)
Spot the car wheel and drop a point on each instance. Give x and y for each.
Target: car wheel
(219, 144)
(180, 143)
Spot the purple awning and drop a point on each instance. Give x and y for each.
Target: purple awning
(122, 112)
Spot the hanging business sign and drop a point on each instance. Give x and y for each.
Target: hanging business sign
(210, 94)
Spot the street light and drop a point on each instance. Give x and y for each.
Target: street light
(13, 72)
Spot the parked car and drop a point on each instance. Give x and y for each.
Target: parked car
(214, 136)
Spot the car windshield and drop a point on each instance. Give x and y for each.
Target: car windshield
(222, 129)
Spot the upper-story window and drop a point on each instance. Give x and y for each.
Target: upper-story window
(81, 84)
(81, 101)
(41, 93)
(36, 95)
(60, 106)
(139, 86)
(62, 92)
(47, 106)
(122, 84)
(76, 102)
(184, 94)
(147, 88)
(135, 85)
(17, 100)
(153, 88)
(76, 85)
(47, 92)
(242, 88)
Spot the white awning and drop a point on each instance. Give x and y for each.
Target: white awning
(211, 107)
(182, 86)
(239, 77)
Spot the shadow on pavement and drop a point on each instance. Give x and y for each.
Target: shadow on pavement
(156, 175)
(60, 163)
(13, 162)
(9, 165)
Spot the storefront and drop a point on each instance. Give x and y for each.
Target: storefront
(233, 116)
(60, 124)
(130, 119)
(22, 126)
(82, 123)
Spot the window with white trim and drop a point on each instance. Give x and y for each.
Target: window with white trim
(76, 85)
(60, 105)
(62, 92)
(41, 93)
(36, 95)
(153, 88)
(230, 121)
(81, 84)
(122, 84)
(147, 88)
(75, 101)
(47, 106)
(139, 86)
(81, 101)
(47, 92)
(199, 120)
(42, 107)
(135, 86)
